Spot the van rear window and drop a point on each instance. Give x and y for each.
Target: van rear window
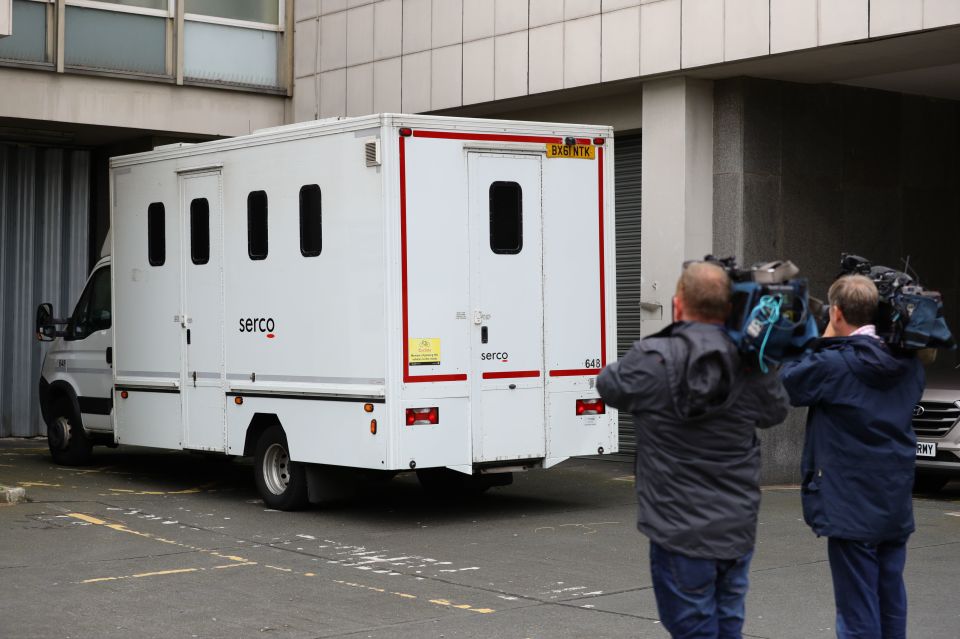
(257, 225)
(156, 234)
(506, 218)
(200, 231)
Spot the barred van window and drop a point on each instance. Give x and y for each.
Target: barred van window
(311, 227)
(156, 234)
(257, 225)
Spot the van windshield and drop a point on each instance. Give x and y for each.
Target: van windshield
(93, 310)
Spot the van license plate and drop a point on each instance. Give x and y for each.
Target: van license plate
(575, 151)
(926, 449)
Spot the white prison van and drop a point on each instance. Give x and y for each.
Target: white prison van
(387, 293)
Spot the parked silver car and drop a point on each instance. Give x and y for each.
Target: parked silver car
(935, 421)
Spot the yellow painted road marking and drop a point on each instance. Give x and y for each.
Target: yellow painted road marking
(28, 484)
(87, 518)
(166, 572)
(246, 563)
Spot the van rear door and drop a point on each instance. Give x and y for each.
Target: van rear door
(506, 291)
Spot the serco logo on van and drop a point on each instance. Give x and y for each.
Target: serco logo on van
(501, 357)
(258, 325)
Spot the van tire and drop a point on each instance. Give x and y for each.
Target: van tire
(282, 483)
(69, 444)
(929, 483)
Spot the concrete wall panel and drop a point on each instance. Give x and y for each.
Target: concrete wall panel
(478, 20)
(510, 65)
(305, 104)
(843, 20)
(305, 48)
(333, 93)
(581, 51)
(446, 77)
(478, 61)
(546, 59)
(620, 31)
(360, 89)
(895, 16)
(793, 25)
(701, 32)
(386, 86)
(415, 92)
(573, 9)
(939, 13)
(387, 36)
(510, 16)
(659, 36)
(333, 41)
(545, 12)
(416, 25)
(360, 36)
(332, 6)
(746, 29)
(304, 9)
(447, 22)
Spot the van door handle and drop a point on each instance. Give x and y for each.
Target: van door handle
(484, 335)
(188, 337)
(110, 355)
(194, 379)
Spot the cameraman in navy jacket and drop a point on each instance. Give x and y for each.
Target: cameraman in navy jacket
(858, 459)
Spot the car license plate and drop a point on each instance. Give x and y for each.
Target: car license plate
(574, 151)
(926, 449)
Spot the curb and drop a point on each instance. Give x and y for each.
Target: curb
(12, 495)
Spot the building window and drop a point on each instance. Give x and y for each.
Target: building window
(311, 228)
(200, 231)
(506, 218)
(156, 234)
(257, 225)
(28, 42)
(117, 36)
(258, 11)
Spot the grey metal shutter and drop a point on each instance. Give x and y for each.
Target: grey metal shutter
(44, 227)
(627, 167)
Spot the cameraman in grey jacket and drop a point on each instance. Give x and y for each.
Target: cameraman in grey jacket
(696, 407)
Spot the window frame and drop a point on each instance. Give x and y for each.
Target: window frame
(83, 304)
(519, 248)
(319, 191)
(233, 22)
(169, 12)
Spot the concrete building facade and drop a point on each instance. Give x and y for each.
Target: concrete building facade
(758, 128)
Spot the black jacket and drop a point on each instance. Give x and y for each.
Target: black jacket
(860, 449)
(695, 410)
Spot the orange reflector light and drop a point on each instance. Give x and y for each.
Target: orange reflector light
(590, 407)
(406, 132)
(598, 141)
(124, 394)
(373, 427)
(368, 408)
(417, 416)
(238, 401)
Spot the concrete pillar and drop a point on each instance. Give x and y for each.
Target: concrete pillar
(677, 202)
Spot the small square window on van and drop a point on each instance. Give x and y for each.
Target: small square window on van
(311, 228)
(506, 218)
(156, 234)
(257, 225)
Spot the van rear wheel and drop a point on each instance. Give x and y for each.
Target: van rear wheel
(281, 482)
(69, 444)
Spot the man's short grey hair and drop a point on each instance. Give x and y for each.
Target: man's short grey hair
(857, 298)
(705, 291)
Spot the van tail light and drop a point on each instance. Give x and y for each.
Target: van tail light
(417, 416)
(590, 407)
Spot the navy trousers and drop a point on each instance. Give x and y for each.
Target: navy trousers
(699, 598)
(868, 588)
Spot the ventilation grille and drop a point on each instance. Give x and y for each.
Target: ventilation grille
(371, 152)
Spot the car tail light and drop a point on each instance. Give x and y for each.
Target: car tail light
(417, 416)
(590, 407)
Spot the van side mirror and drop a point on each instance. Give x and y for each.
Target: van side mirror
(46, 325)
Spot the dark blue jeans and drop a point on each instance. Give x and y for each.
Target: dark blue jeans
(868, 588)
(699, 598)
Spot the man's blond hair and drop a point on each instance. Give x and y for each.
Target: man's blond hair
(705, 291)
(857, 298)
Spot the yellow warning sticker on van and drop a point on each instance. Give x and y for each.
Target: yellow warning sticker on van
(424, 351)
(575, 151)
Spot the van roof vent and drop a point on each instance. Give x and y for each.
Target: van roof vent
(371, 152)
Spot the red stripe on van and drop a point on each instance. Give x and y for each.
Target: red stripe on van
(490, 137)
(574, 372)
(509, 374)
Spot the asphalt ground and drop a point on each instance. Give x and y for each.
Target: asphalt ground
(168, 544)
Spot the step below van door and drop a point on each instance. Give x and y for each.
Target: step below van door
(506, 291)
(202, 376)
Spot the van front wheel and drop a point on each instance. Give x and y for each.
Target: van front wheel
(282, 483)
(69, 445)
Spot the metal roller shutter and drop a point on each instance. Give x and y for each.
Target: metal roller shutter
(627, 166)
